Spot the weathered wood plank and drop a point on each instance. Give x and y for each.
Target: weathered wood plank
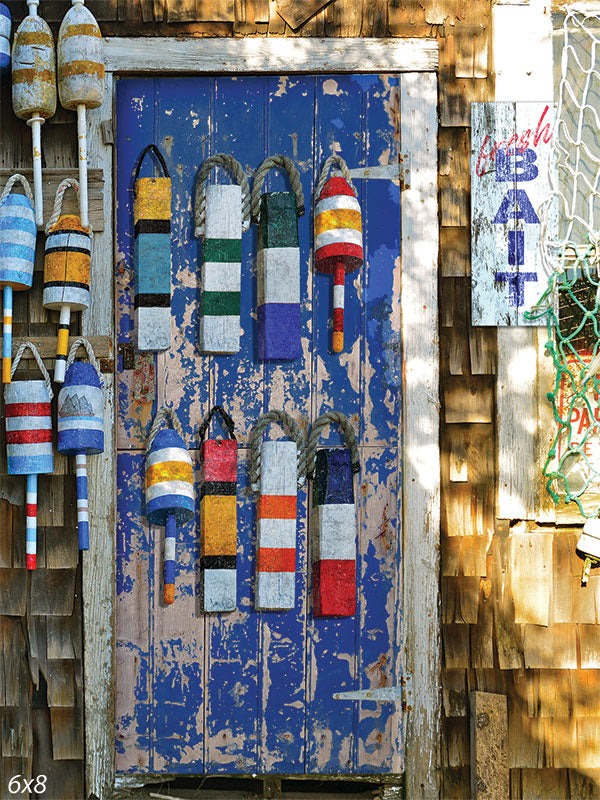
(270, 55)
(530, 563)
(296, 14)
(421, 633)
(98, 563)
(489, 746)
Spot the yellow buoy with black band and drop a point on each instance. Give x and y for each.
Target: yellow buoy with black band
(80, 54)
(34, 87)
(66, 271)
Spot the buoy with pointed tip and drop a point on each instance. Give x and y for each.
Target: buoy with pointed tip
(66, 271)
(34, 87)
(169, 489)
(81, 425)
(18, 233)
(338, 237)
(80, 55)
(29, 438)
(5, 28)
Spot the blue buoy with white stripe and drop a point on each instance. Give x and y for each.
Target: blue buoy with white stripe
(81, 429)
(5, 28)
(18, 233)
(169, 493)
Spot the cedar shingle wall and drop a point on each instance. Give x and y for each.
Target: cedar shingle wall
(515, 619)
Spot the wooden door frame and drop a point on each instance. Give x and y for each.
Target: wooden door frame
(417, 61)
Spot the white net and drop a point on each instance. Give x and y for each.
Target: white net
(575, 166)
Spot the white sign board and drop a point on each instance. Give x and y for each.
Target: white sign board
(511, 147)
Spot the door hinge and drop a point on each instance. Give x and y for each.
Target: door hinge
(398, 170)
(383, 694)
(125, 349)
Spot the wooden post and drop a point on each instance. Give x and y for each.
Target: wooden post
(278, 275)
(218, 524)
(277, 507)
(221, 270)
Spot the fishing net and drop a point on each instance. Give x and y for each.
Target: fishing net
(570, 256)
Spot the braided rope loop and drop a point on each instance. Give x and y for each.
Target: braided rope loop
(164, 414)
(237, 171)
(24, 183)
(279, 162)
(334, 160)
(40, 363)
(82, 342)
(67, 183)
(227, 421)
(319, 426)
(286, 421)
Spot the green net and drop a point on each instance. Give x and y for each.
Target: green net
(570, 306)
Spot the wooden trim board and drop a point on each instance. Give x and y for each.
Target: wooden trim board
(420, 352)
(275, 55)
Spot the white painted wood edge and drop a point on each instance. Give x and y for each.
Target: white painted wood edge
(98, 563)
(279, 55)
(421, 630)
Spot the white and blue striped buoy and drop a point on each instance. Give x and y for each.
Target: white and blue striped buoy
(5, 27)
(81, 425)
(18, 232)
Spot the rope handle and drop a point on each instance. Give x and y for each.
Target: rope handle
(158, 155)
(334, 160)
(82, 342)
(286, 421)
(282, 162)
(67, 183)
(164, 414)
(11, 182)
(237, 171)
(227, 421)
(317, 429)
(39, 362)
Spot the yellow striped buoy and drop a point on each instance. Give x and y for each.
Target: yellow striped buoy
(80, 59)
(34, 88)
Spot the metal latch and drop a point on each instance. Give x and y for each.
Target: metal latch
(383, 694)
(398, 171)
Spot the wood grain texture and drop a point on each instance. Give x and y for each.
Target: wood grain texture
(271, 55)
(98, 568)
(421, 457)
(489, 746)
(296, 14)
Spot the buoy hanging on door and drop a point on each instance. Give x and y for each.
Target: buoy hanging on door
(80, 57)
(338, 236)
(222, 213)
(152, 256)
(278, 262)
(5, 28)
(81, 425)
(18, 234)
(218, 517)
(333, 519)
(66, 270)
(29, 438)
(169, 488)
(34, 87)
(277, 471)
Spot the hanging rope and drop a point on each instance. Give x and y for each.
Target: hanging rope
(338, 161)
(82, 342)
(278, 162)
(40, 363)
(11, 182)
(286, 421)
(164, 414)
(237, 171)
(319, 426)
(67, 183)
(227, 421)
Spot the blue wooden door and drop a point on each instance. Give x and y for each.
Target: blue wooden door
(249, 691)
